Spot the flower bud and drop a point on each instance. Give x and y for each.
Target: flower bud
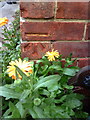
(37, 101)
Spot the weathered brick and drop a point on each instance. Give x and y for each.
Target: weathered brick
(37, 9)
(34, 50)
(78, 49)
(83, 62)
(52, 31)
(73, 10)
(88, 32)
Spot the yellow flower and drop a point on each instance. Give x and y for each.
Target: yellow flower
(52, 55)
(3, 21)
(25, 66)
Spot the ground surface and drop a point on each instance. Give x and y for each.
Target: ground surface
(7, 10)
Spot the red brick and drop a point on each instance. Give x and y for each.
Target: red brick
(88, 32)
(78, 49)
(73, 10)
(34, 50)
(52, 30)
(37, 9)
(83, 62)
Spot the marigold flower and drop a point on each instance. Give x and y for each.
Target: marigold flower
(3, 21)
(52, 55)
(25, 66)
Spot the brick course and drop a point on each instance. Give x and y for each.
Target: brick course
(52, 31)
(37, 9)
(63, 26)
(78, 49)
(72, 10)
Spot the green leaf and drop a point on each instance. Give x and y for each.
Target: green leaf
(63, 98)
(24, 76)
(75, 95)
(76, 68)
(64, 115)
(45, 68)
(59, 112)
(32, 113)
(47, 81)
(69, 72)
(73, 103)
(8, 93)
(56, 67)
(20, 109)
(39, 112)
(7, 45)
(70, 111)
(44, 92)
(54, 86)
(68, 86)
(7, 113)
(47, 111)
(12, 112)
(24, 94)
(39, 61)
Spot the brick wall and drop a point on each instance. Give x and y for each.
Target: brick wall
(64, 26)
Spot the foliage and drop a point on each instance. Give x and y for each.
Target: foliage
(10, 51)
(11, 46)
(45, 93)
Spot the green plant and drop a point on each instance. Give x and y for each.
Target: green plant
(45, 93)
(9, 51)
(11, 46)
